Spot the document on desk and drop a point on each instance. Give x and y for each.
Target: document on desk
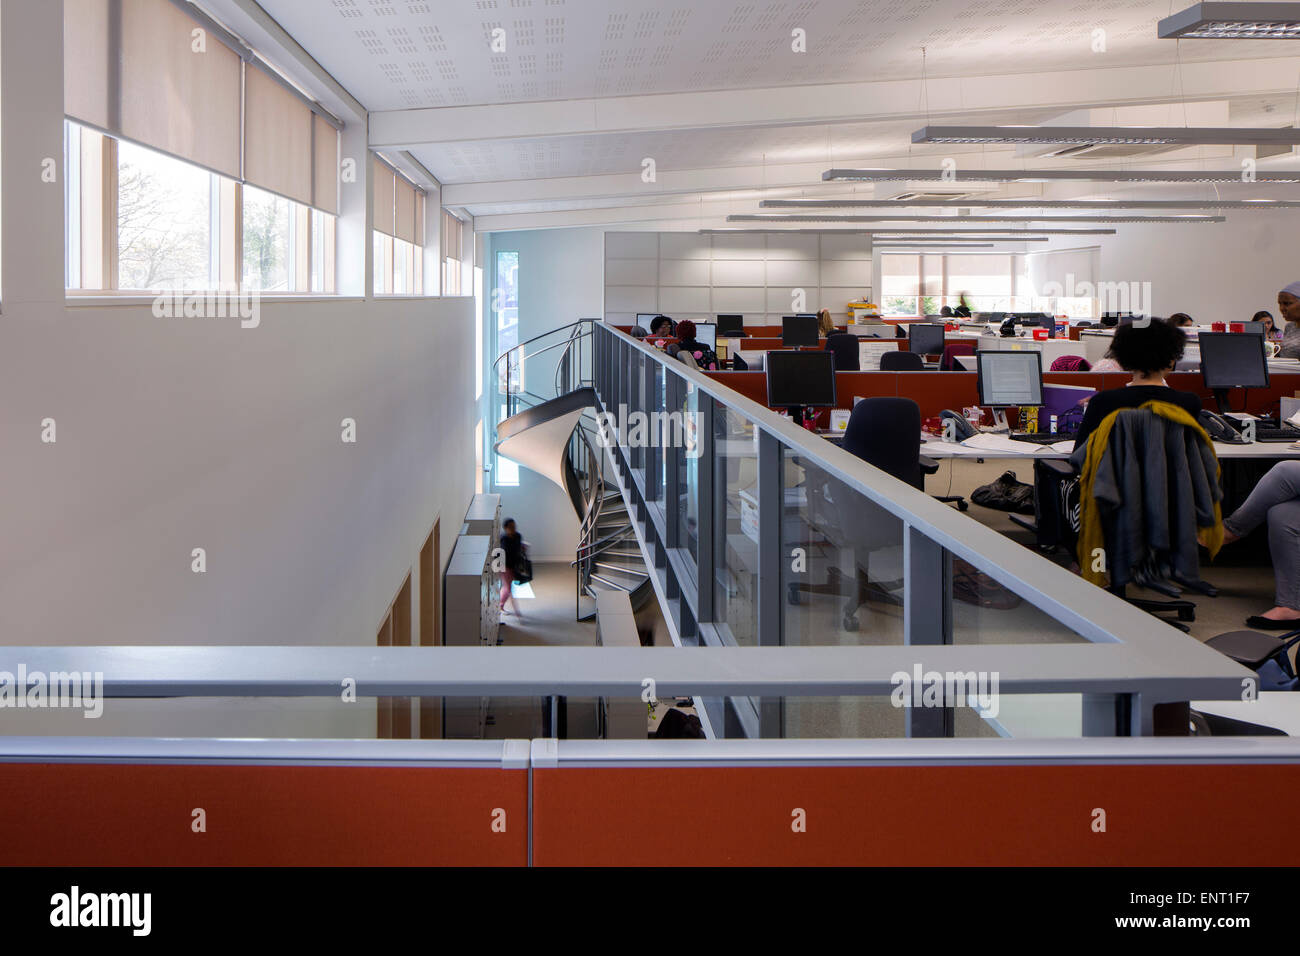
(870, 350)
(987, 441)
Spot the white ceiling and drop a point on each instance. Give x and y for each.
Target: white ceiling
(402, 55)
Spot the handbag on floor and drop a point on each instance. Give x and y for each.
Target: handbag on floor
(1006, 494)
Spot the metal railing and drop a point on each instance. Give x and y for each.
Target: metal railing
(748, 654)
(727, 546)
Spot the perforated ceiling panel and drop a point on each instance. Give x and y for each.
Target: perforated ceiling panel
(394, 54)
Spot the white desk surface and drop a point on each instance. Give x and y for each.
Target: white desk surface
(938, 448)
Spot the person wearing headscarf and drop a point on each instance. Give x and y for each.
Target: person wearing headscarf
(1288, 304)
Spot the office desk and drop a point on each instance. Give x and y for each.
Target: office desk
(938, 448)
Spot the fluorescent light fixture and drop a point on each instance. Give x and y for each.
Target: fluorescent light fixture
(929, 244)
(1233, 21)
(1026, 235)
(1109, 135)
(1252, 204)
(957, 220)
(1055, 175)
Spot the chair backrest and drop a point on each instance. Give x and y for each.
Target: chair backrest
(886, 432)
(901, 362)
(686, 358)
(845, 347)
(955, 348)
(1150, 497)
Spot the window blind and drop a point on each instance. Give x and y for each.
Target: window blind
(277, 137)
(137, 69)
(384, 187)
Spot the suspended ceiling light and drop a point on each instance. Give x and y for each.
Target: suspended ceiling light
(929, 244)
(1025, 235)
(1108, 135)
(1233, 21)
(826, 217)
(1055, 175)
(1253, 204)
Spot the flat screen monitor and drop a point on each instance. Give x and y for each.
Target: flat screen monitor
(925, 337)
(799, 330)
(1009, 378)
(644, 319)
(1233, 360)
(1256, 327)
(706, 333)
(730, 326)
(804, 379)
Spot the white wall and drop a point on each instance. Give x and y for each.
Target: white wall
(689, 276)
(182, 433)
(560, 281)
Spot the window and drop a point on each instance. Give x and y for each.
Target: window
(453, 253)
(172, 157)
(510, 377)
(398, 233)
(919, 285)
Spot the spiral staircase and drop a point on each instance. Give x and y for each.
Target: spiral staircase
(553, 433)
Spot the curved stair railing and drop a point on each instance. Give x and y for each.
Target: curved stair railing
(608, 555)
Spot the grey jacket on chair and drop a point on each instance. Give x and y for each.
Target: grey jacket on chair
(1156, 484)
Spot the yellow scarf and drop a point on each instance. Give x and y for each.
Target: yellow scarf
(1091, 540)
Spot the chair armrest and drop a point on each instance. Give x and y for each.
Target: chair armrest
(928, 465)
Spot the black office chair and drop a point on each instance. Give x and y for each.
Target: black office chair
(884, 432)
(1151, 569)
(901, 362)
(844, 345)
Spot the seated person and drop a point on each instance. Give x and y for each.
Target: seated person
(1149, 352)
(946, 312)
(1181, 320)
(663, 326)
(1271, 331)
(704, 356)
(825, 324)
(1288, 304)
(1276, 499)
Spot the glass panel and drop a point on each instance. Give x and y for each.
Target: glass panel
(835, 717)
(656, 438)
(267, 249)
(900, 276)
(688, 470)
(985, 611)
(841, 562)
(401, 268)
(735, 532)
(164, 222)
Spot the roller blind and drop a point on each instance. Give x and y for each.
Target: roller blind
(325, 160)
(404, 211)
(169, 89)
(385, 184)
(277, 137)
(453, 234)
(1060, 267)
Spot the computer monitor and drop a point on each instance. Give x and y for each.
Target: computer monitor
(1232, 360)
(799, 330)
(925, 337)
(1256, 328)
(644, 319)
(731, 326)
(1040, 319)
(801, 379)
(706, 333)
(1009, 378)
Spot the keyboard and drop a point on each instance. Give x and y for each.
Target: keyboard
(1040, 438)
(1277, 433)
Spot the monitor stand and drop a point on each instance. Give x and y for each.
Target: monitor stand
(1221, 397)
(1000, 424)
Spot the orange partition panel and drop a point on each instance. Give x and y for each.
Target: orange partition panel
(1206, 815)
(73, 814)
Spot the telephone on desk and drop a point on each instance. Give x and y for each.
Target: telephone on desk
(1219, 428)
